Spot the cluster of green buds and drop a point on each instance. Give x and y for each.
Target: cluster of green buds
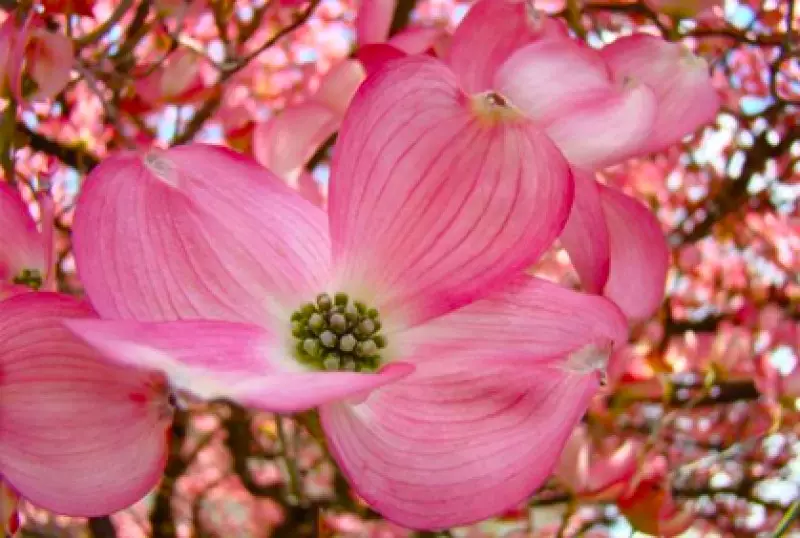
(337, 334)
(29, 277)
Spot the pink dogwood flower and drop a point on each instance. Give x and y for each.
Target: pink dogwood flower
(638, 95)
(595, 474)
(447, 380)
(79, 435)
(25, 253)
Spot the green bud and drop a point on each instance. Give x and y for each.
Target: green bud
(337, 323)
(308, 309)
(316, 322)
(311, 347)
(347, 343)
(298, 329)
(324, 302)
(328, 339)
(331, 362)
(341, 299)
(380, 341)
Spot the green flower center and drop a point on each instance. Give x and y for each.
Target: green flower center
(338, 334)
(29, 277)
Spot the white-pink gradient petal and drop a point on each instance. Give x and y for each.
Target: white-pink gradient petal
(639, 255)
(531, 318)
(229, 360)
(285, 142)
(457, 441)
(196, 232)
(430, 199)
(550, 78)
(491, 32)
(686, 97)
(585, 236)
(78, 435)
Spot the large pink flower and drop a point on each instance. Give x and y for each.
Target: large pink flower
(638, 95)
(78, 435)
(447, 380)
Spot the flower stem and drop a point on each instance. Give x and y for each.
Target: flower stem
(295, 490)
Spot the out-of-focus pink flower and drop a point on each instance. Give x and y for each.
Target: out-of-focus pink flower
(24, 252)
(287, 141)
(40, 61)
(79, 436)
(9, 510)
(405, 315)
(682, 8)
(649, 505)
(178, 81)
(594, 474)
(685, 97)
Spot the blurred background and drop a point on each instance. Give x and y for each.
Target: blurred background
(696, 430)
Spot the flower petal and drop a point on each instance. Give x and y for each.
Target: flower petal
(418, 40)
(196, 231)
(49, 61)
(374, 57)
(530, 317)
(338, 87)
(374, 19)
(430, 198)
(287, 141)
(586, 236)
(686, 98)
(78, 435)
(21, 245)
(458, 441)
(606, 131)
(490, 33)
(639, 255)
(549, 78)
(228, 360)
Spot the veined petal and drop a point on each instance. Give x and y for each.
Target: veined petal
(686, 98)
(639, 255)
(196, 231)
(456, 442)
(374, 19)
(228, 360)
(586, 236)
(21, 245)
(606, 131)
(286, 142)
(528, 318)
(78, 435)
(431, 193)
(548, 79)
(490, 33)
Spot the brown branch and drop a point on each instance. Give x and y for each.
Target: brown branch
(72, 155)
(101, 527)
(211, 105)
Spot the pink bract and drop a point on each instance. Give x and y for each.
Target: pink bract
(485, 370)
(56, 392)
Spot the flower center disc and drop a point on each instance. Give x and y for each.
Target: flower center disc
(335, 333)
